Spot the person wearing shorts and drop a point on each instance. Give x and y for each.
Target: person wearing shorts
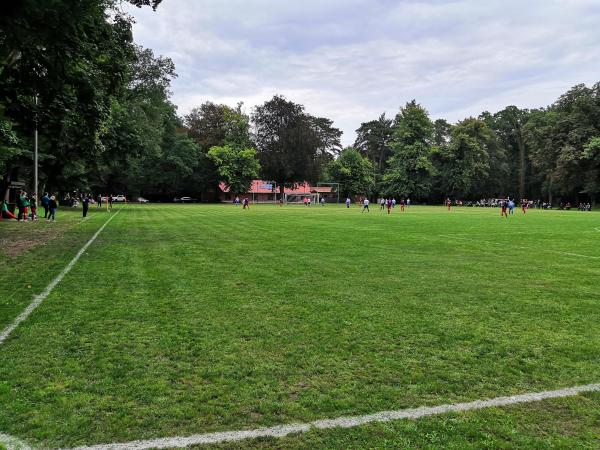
(365, 205)
(503, 212)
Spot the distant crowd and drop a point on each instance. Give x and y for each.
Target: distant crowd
(528, 204)
(26, 205)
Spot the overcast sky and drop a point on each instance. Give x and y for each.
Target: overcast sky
(351, 60)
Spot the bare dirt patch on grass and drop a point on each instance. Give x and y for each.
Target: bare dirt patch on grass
(17, 238)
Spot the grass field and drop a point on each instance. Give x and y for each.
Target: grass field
(184, 319)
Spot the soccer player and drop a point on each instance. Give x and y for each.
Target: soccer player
(389, 205)
(504, 205)
(401, 205)
(322, 201)
(348, 202)
(511, 206)
(85, 202)
(245, 204)
(382, 204)
(524, 206)
(365, 205)
(448, 203)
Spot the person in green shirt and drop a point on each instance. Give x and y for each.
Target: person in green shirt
(6, 214)
(25, 202)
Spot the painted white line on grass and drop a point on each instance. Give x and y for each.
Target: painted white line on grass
(12, 443)
(522, 247)
(340, 422)
(38, 299)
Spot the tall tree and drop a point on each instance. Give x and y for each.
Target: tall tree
(410, 169)
(591, 156)
(75, 70)
(508, 124)
(466, 159)
(290, 142)
(216, 125)
(373, 141)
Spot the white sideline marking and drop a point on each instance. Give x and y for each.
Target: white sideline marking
(522, 247)
(12, 443)
(341, 422)
(38, 299)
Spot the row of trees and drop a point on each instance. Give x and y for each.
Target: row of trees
(542, 153)
(106, 124)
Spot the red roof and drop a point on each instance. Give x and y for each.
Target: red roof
(266, 187)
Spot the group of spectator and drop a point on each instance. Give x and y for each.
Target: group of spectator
(527, 204)
(581, 206)
(26, 207)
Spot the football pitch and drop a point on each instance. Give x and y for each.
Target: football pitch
(182, 320)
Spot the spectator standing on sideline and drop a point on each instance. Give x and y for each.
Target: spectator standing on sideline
(52, 205)
(85, 203)
(19, 201)
(33, 206)
(45, 201)
(25, 203)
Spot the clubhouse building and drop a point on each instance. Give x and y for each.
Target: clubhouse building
(268, 192)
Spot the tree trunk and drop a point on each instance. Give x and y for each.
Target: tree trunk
(6, 182)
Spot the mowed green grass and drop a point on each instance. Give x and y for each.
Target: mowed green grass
(184, 319)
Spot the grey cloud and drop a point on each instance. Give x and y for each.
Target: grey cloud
(351, 60)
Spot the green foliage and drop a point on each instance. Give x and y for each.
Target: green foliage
(591, 156)
(410, 169)
(291, 143)
(237, 167)
(466, 160)
(373, 141)
(353, 171)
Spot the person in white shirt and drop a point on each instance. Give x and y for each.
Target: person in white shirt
(348, 202)
(365, 205)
